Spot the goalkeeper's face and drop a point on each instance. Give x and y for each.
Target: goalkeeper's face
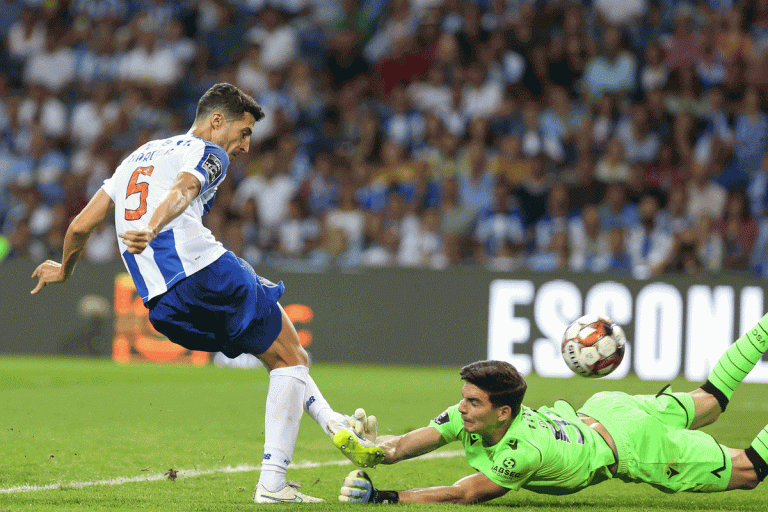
(477, 412)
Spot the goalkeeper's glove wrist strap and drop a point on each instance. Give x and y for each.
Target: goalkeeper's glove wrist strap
(388, 497)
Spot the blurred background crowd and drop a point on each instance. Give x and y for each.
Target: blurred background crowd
(602, 135)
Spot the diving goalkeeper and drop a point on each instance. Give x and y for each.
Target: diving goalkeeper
(640, 439)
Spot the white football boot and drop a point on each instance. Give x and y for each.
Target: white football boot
(288, 494)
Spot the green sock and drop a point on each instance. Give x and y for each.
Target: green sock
(759, 447)
(737, 362)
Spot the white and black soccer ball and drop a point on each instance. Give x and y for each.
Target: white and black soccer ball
(593, 346)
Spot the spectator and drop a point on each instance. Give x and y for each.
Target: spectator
(456, 219)
(583, 188)
(738, 232)
(682, 47)
(612, 167)
(481, 96)
(532, 192)
(559, 122)
(674, 217)
(276, 38)
(348, 220)
(44, 109)
(654, 73)
(91, 116)
(53, 66)
(588, 241)
(44, 165)
(498, 229)
(271, 190)
(553, 257)
(615, 211)
(733, 43)
(322, 186)
(650, 246)
(251, 75)
(431, 94)
(399, 26)
(605, 119)
(613, 70)
(404, 124)
(422, 192)
(98, 60)
(615, 258)
(476, 187)
(704, 195)
(751, 133)
(757, 191)
(710, 69)
(298, 233)
(509, 163)
(557, 218)
(27, 36)
(432, 244)
(639, 142)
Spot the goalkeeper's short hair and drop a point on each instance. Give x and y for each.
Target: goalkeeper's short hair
(501, 380)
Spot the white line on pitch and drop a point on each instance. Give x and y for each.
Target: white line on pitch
(189, 473)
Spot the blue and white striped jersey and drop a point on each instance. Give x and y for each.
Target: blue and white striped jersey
(137, 187)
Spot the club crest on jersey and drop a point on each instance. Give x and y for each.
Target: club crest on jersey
(442, 419)
(212, 167)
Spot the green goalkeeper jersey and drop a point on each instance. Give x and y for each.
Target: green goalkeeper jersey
(548, 450)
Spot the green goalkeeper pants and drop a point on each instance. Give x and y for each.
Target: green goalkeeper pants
(654, 444)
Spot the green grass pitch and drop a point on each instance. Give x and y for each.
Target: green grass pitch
(93, 435)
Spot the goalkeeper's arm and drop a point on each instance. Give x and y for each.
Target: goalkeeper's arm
(414, 443)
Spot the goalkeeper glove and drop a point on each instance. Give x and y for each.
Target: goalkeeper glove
(358, 488)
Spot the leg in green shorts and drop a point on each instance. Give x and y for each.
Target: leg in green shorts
(654, 444)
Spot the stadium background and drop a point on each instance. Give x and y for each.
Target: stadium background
(413, 154)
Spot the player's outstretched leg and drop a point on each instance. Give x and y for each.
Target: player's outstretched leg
(737, 362)
(287, 362)
(318, 407)
(757, 453)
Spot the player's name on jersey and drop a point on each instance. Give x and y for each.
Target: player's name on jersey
(146, 156)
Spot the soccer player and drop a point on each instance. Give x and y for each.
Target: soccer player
(198, 294)
(644, 438)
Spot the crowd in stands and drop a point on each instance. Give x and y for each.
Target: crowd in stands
(603, 135)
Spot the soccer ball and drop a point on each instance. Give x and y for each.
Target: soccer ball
(593, 346)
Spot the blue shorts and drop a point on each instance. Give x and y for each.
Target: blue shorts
(224, 307)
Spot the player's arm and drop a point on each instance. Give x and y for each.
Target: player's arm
(182, 193)
(475, 488)
(78, 232)
(414, 443)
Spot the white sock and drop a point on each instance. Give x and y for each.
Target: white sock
(317, 406)
(281, 423)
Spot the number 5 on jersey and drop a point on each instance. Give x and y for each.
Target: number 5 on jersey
(138, 188)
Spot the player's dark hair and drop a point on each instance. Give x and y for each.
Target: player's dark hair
(230, 101)
(501, 380)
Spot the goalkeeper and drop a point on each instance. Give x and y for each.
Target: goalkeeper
(640, 439)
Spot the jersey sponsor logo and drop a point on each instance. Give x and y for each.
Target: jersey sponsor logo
(212, 167)
(442, 419)
(508, 463)
(501, 471)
